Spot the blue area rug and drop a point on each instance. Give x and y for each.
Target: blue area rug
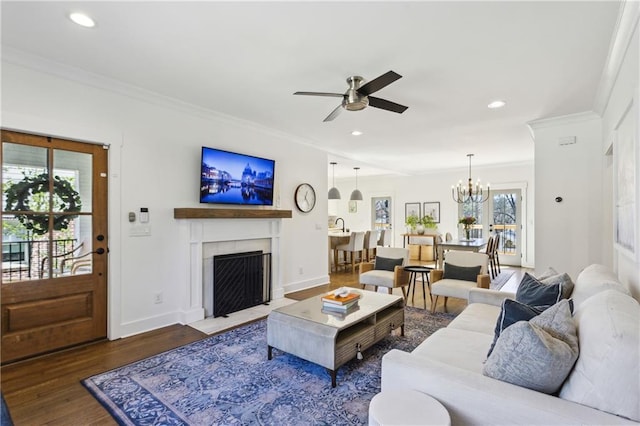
(227, 380)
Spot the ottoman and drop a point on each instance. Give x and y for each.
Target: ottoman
(406, 408)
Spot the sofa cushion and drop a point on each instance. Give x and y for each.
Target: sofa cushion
(534, 293)
(511, 312)
(458, 348)
(538, 354)
(594, 279)
(386, 264)
(463, 273)
(607, 374)
(478, 317)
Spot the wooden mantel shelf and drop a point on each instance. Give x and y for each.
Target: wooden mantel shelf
(210, 213)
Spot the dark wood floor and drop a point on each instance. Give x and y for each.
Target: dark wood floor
(47, 389)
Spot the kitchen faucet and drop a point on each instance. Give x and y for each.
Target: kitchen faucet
(342, 222)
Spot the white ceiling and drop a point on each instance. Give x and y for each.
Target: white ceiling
(245, 59)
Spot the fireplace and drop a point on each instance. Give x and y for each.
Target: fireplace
(240, 281)
(207, 238)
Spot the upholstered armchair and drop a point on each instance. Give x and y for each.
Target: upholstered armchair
(463, 270)
(387, 270)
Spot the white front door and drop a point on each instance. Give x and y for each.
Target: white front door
(505, 219)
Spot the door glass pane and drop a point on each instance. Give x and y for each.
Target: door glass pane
(505, 220)
(381, 213)
(73, 176)
(25, 190)
(46, 237)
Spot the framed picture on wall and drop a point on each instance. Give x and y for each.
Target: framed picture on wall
(411, 209)
(432, 208)
(353, 206)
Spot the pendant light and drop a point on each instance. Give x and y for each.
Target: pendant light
(464, 194)
(334, 194)
(356, 195)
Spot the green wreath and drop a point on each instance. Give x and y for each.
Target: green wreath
(18, 195)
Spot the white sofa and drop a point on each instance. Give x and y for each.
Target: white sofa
(603, 388)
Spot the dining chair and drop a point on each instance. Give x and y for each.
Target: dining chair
(370, 244)
(496, 245)
(435, 254)
(385, 238)
(490, 253)
(353, 248)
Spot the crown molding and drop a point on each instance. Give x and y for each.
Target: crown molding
(626, 26)
(563, 120)
(78, 75)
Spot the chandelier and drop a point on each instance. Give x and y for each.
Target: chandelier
(470, 193)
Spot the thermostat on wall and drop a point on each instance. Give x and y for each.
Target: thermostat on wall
(144, 215)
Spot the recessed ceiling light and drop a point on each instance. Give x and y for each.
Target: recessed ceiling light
(82, 19)
(356, 133)
(496, 104)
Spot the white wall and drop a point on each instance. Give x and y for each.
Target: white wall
(154, 162)
(568, 233)
(433, 187)
(580, 230)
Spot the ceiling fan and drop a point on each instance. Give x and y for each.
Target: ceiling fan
(357, 97)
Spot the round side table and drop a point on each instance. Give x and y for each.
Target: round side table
(407, 407)
(413, 275)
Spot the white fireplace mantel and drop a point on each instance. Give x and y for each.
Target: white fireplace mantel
(196, 232)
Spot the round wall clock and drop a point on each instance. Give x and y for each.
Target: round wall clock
(305, 197)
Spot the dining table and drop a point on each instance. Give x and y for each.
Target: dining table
(473, 244)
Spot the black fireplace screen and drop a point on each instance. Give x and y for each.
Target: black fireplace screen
(240, 281)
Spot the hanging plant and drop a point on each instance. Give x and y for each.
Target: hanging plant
(66, 199)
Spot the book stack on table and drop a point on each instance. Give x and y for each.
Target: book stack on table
(340, 303)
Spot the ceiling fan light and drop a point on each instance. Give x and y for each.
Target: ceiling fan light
(356, 195)
(334, 194)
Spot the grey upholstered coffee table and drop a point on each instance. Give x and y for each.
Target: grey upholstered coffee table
(330, 340)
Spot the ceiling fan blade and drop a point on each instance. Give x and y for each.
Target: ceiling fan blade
(334, 95)
(385, 104)
(378, 83)
(334, 113)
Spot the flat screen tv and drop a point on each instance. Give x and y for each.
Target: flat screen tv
(232, 178)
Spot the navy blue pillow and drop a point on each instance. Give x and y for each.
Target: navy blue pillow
(386, 264)
(534, 293)
(465, 273)
(512, 312)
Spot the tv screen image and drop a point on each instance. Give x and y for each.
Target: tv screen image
(232, 178)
